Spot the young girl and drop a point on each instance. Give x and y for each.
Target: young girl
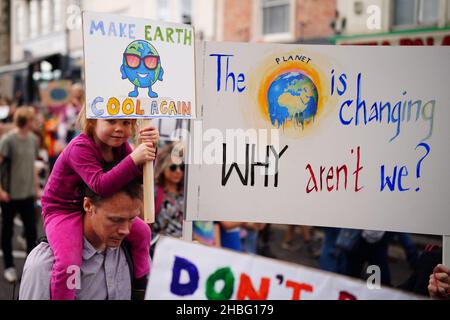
(102, 142)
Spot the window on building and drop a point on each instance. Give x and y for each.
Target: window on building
(275, 16)
(57, 23)
(34, 18)
(21, 21)
(416, 12)
(46, 19)
(429, 12)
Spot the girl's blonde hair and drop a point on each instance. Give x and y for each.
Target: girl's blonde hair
(87, 126)
(171, 153)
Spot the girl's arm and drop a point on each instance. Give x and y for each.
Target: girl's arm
(83, 160)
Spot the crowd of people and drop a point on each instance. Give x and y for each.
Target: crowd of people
(80, 178)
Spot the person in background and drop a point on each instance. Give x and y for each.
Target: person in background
(230, 235)
(19, 186)
(329, 258)
(288, 242)
(368, 246)
(169, 192)
(72, 109)
(419, 281)
(249, 237)
(206, 232)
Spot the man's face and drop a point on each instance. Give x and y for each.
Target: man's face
(111, 219)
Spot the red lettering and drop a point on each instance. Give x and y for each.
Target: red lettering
(338, 171)
(334, 173)
(311, 178)
(246, 289)
(358, 169)
(405, 42)
(344, 295)
(446, 41)
(298, 288)
(330, 177)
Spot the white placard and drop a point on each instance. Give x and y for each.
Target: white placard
(185, 270)
(361, 135)
(138, 68)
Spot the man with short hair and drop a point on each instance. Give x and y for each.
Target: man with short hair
(18, 185)
(105, 269)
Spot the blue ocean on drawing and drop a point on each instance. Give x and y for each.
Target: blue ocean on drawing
(292, 96)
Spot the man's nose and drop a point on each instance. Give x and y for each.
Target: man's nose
(124, 229)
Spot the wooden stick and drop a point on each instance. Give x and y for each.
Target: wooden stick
(149, 183)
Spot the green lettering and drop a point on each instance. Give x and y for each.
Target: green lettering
(227, 276)
(147, 33)
(179, 31)
(158, 33)
(187, 36)
(169, 32)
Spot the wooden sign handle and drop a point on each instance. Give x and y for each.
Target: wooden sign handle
(149, 189)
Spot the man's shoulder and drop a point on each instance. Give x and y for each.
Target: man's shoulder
(40, 258)
(35, 283)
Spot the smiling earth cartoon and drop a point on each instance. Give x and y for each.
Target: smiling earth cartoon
(142, 67)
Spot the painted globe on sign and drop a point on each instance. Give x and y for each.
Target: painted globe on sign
(292, 96)
(141, 76)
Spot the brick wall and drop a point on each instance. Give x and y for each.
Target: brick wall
(313, 18)
(238, 19)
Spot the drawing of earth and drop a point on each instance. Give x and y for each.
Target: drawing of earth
(292, 96)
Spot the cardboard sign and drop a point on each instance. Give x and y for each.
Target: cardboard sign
(184, 270)
(172, 129)
(55, 93)
(138, 68)
(322, 135)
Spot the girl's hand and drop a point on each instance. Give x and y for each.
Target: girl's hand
(149, 134)
(143, 153)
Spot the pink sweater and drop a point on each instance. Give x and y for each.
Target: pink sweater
(81, 163)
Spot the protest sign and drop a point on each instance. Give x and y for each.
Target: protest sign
(322, 135)
(55, 93)
(138, 68)
(185, 270)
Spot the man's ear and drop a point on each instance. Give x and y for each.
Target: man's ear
(87, 205)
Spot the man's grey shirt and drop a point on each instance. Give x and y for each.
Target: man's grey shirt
(104, 275)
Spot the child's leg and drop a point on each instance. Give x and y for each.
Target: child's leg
(139, 238)
(65, 236)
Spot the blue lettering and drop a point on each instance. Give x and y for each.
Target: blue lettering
(94, 109)
(228, 74)
(183, 289)
(348, 104)
(97, 27)
(343, 81)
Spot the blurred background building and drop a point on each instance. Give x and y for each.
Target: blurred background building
(41, 40)
(393, 22)
(284, 21)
